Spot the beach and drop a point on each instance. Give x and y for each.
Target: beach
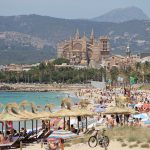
(31, 87)
(84, 146)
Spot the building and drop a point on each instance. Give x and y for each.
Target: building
(18, 67)
(84, 51)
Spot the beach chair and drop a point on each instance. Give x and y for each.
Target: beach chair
(14, 144)
(35, 136)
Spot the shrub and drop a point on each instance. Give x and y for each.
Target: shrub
(132, 139)
(124, 144)
(146, 145)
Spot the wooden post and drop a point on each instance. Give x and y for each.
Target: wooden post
(49, 127)
(20, 145)
(5, 127)
(41, 143)
(19, 128)
(82, 123)
(32, 127)
(78, 123)
(36, 128)
(69, 124)
(86, 122)
(64, 123)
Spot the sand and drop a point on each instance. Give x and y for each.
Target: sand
(114, 145)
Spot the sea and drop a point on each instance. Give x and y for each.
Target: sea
(38, 98)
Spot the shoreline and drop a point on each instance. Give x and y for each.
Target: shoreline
(22, 87)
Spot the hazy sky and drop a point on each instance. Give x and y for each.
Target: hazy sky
(68, 8)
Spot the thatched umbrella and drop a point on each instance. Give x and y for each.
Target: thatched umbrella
(84, 103)
(83, 113)
(49, 107)
(119, 110)
(8, 115)
(23, 104)
(65, 113)
(66, 103)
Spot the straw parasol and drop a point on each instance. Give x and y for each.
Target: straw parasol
(49, 107)
(119, 110)
(66, 103)
(8, 115)
(84, 103)
(4, 116)
(64, 113)
(84, 112)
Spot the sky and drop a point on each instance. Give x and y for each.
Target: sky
(70, 9)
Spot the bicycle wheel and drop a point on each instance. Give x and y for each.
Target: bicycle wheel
(105, 142)
(92, 142)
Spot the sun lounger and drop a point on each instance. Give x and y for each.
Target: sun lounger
(14, 144)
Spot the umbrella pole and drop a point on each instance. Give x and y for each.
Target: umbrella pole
(32, 127)
(64, 123)
(36, 127)
(82, 123)
(49, 125)
(5, 127)
(69, 124)
(86, 122)
(124, 119)
(19, 128)
(78, 123)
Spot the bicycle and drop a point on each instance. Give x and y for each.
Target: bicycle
(99, 138)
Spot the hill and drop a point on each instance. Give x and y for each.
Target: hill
(32, 38)
(122, 15)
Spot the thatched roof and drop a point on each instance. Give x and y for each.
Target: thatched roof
(5, 116)
(83, 112)
(65, 113)
(118, 110)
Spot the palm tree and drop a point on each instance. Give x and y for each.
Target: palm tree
(114, 72)
(42, 68)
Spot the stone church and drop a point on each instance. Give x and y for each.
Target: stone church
(84, 51)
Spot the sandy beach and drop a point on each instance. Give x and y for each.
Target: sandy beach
(84, 146)
(42, 87)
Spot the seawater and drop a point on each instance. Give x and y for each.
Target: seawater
(38, 98)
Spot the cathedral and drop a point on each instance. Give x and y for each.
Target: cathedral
(84, 51)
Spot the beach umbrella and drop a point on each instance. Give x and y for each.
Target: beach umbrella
(83, 112)
(66, 102)
(118, 110)
(49, 107)
(62, 134)
(64, 113)
(23, 104)
(84, 103)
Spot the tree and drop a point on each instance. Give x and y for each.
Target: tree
(114, 72)
(60, 61)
